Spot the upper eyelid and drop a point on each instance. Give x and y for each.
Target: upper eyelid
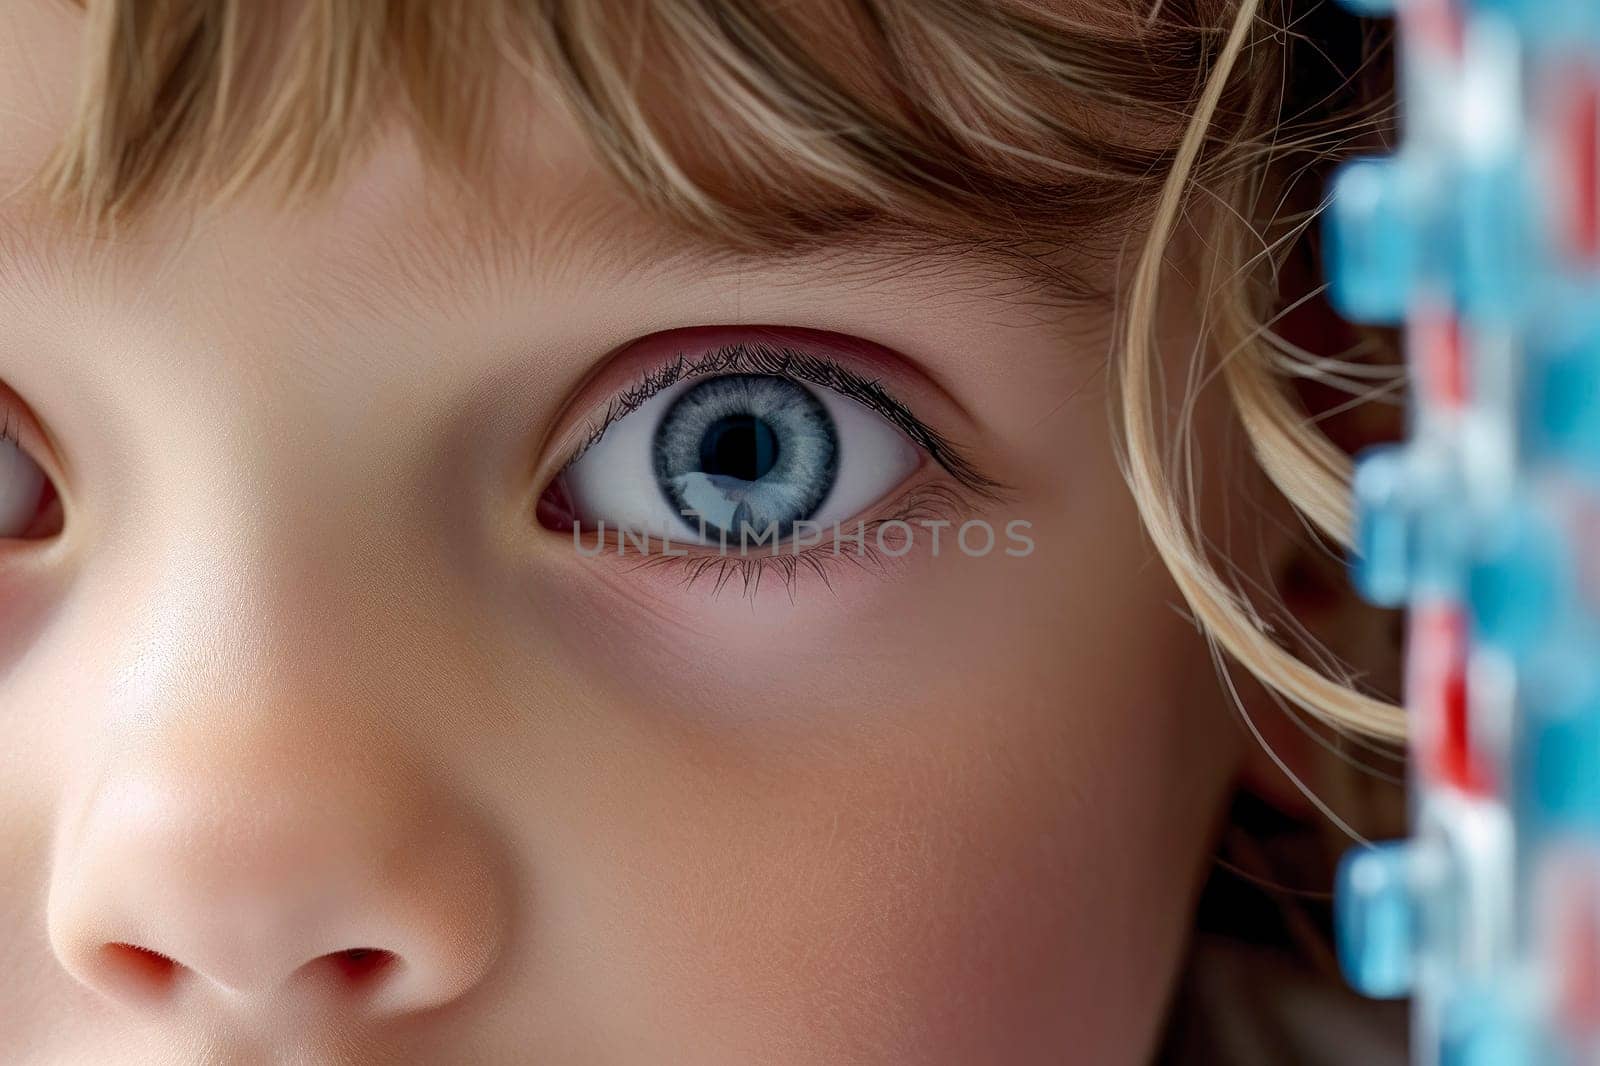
(767, 357)
(10, 424)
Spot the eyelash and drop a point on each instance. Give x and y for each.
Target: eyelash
(783, 361)
(927, 502)
(10, 425)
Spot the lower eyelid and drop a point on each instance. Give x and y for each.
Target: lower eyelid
(924, 500)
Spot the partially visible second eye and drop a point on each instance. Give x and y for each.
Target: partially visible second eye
(29, 508)
(737, 456)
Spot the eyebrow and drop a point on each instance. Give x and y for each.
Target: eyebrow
(433, 260)
(422, 255)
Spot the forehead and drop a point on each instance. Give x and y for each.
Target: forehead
(561, 267)
(389, 195)
(549, 195)
(39, 65)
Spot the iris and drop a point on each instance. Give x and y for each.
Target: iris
(745, 454)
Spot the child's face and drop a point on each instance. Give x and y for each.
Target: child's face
(304, 673)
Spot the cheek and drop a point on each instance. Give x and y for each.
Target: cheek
(956, 814)
(988, 855)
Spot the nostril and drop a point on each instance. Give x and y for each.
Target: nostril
(139, 974)
(355, 975)
(137, 971)
(199, 881)
(360, 968)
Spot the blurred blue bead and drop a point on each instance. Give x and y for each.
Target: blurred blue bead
(1381, 568)
(1375, 916)
(1371, 246)
(1517, 583)
(1564, 403)
(1566, 21)
(1560, 770)
(1480, 1029)
(1493, 264)
(1369, 8)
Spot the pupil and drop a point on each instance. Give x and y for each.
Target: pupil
(740, 446)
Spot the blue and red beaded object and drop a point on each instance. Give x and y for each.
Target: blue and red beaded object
(1480, 237)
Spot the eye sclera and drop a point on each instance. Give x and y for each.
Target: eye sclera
(618, 480)
(947, 489)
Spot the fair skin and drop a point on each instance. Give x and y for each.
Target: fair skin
(301, 674)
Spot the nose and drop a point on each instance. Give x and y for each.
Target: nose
(319, 872)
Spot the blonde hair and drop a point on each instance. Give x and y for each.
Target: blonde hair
(1016, 127)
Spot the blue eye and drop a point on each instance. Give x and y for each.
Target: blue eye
(710, 459)
(746, 451)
